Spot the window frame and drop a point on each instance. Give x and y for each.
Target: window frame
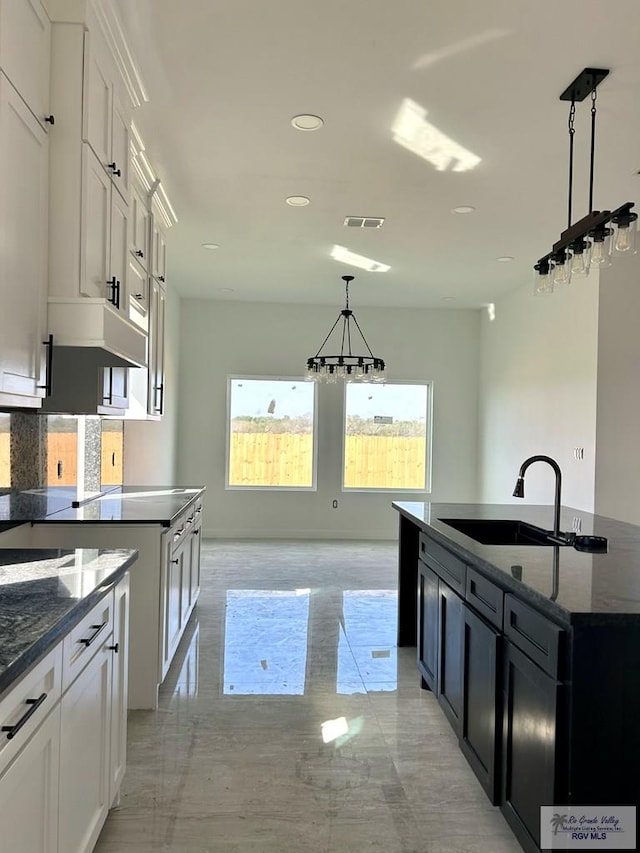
(314, 473)
(428, 384)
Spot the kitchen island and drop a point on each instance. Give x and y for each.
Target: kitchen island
(533, 652)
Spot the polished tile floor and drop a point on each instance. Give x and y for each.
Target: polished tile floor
(291, 722)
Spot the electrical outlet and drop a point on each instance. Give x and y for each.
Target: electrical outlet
(578, 453)
(576, 524)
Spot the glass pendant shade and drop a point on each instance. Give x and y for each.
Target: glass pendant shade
(561, 274)
(601, 247)
(580, 259)
(542, 283)
(625, 235)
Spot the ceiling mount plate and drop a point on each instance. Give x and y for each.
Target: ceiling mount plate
(586, 81)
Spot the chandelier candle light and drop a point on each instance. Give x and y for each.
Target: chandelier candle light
(589, 241)
(346, 365)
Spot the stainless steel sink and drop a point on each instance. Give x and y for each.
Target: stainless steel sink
(502, 531)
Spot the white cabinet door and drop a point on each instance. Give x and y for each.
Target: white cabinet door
(29, 793)
(25, 49)
(97, 105)
(96, 224)
(159, 252)
(23, 259)
(196, 535)
(120, 156)
(85, 754)
(119, 251)
(119, 691)
(139, 228)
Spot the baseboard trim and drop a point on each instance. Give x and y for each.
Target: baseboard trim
(270, 533)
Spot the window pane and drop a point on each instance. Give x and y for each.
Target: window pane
(271, 433)
(385, 442)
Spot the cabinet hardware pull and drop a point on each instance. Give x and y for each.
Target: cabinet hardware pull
(50, 120)
(49, 372)
(160, 388)
(59, 469)
(117, 294)
(175, 561)
(97, 629)
(140, 253)
(115, 648)
(112, 284)
(160, 278)
(139, 296)
(113, 459)
(12, 731)
(195, 532)
(189, 520)
(114, 168)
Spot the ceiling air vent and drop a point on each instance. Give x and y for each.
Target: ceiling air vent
(364, 221)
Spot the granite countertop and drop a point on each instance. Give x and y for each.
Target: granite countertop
(43, 593)
(124, 504)
(568, 585)
(132, 505)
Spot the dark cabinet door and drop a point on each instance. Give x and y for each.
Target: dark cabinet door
(428, 626)
(530, 725)
(481, 714)
(450, 612)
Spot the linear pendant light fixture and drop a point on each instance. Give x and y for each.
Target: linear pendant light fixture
(346, 365)
(590, 241)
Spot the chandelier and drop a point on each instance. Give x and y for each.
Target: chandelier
(592, 240)
(359, 368)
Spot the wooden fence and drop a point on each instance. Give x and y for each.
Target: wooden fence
(276, 459)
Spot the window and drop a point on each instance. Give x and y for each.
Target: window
(271, 433)
(387, 436)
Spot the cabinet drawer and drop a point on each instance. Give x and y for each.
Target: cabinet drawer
(535, 635)
(25, 705)
(85, 639)
(445, 564)
(485, 597)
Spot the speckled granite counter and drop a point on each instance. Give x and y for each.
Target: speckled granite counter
(569, 586)
(43, 593)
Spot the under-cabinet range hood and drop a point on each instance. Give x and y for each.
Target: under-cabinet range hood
(94, 325)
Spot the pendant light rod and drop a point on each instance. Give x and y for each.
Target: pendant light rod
(572, 132)
(594, 95)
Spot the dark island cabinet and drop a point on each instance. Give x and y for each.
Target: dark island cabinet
(450, 611)
(428, 626)
(530, 748)
(480, 735)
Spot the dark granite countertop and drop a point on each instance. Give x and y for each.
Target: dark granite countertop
(43, 593)
(131, 505)
(17, 507)
(570, 586)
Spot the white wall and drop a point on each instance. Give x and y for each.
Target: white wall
(618, 457)
(221, 338)
(538, 393)
(150, 446)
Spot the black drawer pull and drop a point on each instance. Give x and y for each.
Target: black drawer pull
(97, 629)
(474, 591)
(12, 731)
(140, 253)
(48, 375)
(115, 648)
(50, 120)
(175, 561)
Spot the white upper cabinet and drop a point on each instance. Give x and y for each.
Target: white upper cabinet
(95, 245)
(139, 227)
(23, 259)
(158, 248)
(25, 41)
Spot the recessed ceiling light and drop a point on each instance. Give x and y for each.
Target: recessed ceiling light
(210, 245)
(305, 121)
(463, 208)
(339, 253)
(298, 200)
(447, 298)
(504, 259)
(224, 289)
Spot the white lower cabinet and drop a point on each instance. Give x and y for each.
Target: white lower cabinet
(63, 736)
(85, 754)
(29, 793)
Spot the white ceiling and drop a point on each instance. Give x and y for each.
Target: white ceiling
(225, 78)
